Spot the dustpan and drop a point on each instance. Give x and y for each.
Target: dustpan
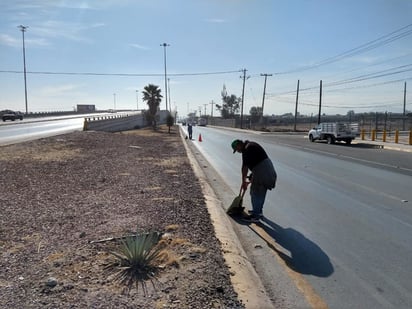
(236, 207)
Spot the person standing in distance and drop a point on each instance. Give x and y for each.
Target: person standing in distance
(190, 130)
(263, 178)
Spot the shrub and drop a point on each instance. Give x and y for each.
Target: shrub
(137, 259)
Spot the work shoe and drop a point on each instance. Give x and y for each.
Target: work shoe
(251, 213)
(252, 218)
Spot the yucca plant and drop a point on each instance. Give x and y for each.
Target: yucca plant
(137, 260)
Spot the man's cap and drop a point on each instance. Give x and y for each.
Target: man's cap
(235, 143)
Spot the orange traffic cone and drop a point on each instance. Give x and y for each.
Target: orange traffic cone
(200, 137)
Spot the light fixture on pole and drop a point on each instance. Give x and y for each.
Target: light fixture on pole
(164, 52)
(23, 29)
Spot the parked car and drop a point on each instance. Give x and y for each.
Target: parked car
(334, 131)
(11, 115)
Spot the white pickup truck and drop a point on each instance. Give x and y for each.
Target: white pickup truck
(334, 131)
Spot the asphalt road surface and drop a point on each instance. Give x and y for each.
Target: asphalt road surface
(11, 133)
(340, 219)
(34, 128)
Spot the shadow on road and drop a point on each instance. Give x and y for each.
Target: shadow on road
(305, 256)
(354, 145)
(365, 146)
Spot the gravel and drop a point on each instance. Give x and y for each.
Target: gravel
(63, 198)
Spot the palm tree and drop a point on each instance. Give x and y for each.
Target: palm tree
(152, 96)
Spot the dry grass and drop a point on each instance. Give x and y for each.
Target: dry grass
(56, 152)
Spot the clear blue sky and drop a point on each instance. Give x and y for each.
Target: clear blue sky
(364, 48)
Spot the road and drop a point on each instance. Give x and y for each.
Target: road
(340, 217)
(34, 128)
(24, 131)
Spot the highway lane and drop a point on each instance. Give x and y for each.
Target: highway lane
(38, 127)
(362, 151)
(25, 131)
(341, 217)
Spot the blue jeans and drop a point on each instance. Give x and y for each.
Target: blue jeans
(264, 179)
(258, 199)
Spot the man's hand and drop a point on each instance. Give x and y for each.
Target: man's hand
(245, 184)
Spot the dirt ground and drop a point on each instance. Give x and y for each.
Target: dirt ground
(60, 195)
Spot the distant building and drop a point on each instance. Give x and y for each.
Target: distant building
(86, 108)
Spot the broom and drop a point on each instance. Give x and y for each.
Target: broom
(236, 207)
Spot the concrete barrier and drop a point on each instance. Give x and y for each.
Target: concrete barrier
(123, 122)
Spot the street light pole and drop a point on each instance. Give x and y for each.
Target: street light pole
(168, 91)
(164, 52)
(137, 100)
(23, 29)
(114, 101)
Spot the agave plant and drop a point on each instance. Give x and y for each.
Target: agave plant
(137, 260)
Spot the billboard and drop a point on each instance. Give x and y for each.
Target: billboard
(86, 108)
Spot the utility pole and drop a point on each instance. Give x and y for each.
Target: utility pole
(114, 101)
(23, 30)
(264, 94)
(211, 110)
(164, 52)
(243, 98)
(296, 106)
(404, 107)
(137, 99)
(320, 101)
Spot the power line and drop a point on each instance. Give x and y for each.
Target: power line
(370, 76)
(378, 74)
(307, 103)
(120, 74)
(372, 85)
(206, 73)
(381, 41)
(335, 75)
